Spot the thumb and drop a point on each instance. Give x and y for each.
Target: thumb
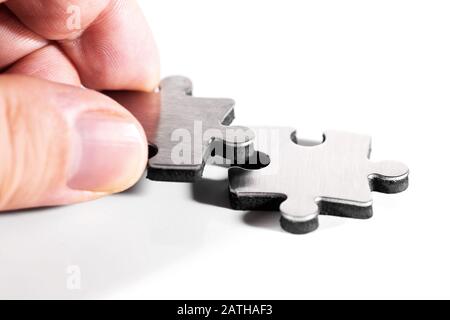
(61, 144)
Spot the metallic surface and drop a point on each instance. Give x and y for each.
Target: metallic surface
(335, 177)
(183, 130)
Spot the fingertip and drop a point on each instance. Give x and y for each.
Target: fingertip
(109, 152)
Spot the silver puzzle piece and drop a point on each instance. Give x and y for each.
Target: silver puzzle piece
(184, 131)
(190, 129)
(333, 178)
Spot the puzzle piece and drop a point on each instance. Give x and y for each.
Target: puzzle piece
(183, 131)
(332, 178)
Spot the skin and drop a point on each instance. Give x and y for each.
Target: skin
(61, 141)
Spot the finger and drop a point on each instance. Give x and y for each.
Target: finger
(16, 40)
(118, 52)
(61, 144)
(113, 49)
(145, 107)
(56, 19)
(47, 63)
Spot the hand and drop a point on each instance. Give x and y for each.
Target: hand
(59, 142)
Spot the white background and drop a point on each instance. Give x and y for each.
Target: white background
(375, 67)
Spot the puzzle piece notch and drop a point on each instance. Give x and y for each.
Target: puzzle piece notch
(333, 178)
(190, 130)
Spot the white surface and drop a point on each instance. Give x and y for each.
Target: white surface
(375, 67)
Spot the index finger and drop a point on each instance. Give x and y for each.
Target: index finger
(108, 41)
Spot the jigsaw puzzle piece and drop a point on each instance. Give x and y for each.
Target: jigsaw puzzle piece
(332, 178)
(190, 130)
(186, 130)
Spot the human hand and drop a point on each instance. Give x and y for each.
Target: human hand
(59, 142)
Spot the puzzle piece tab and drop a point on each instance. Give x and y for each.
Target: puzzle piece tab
(335, 177)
